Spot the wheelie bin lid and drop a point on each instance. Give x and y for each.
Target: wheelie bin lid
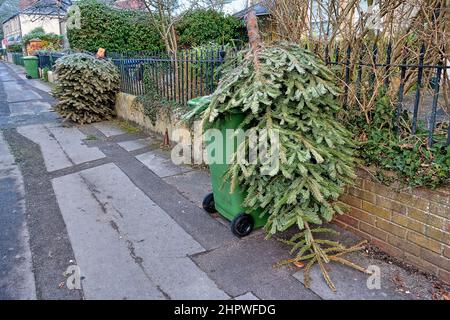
(30, 58)
(196, 106)
(199, 102)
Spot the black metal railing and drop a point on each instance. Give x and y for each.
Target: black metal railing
(180, 77)
(416, 84)
(47, 59)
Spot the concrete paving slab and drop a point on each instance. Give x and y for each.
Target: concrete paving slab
(71, 141)
(350, 285)
(29, 108)
(109, 270)
(135, 144)
(182, 279)
(54, 156)
(160, 165)
(16, 92)
(61, 147)
(246, 296)
(109, 128)
(40, 85)
(194, 185)
(207, 231)
(247, 265)
(103, 203)
(5, 76)
(285, 289)
(49, 242)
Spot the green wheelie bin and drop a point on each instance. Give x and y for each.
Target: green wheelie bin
(227, 204)
(31, 66)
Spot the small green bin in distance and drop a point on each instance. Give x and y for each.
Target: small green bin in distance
(229, 205)
(31, 66)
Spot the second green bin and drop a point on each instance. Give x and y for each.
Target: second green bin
(31, 66)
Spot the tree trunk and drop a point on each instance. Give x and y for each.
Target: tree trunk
(253, 30)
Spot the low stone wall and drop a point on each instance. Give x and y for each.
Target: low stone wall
(413, 226)
(128, 110)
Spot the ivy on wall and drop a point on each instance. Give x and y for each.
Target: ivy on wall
(115, 30)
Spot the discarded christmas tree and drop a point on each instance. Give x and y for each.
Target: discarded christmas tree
(86, 88)
(286, 90)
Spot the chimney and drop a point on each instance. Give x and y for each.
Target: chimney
(23, 4)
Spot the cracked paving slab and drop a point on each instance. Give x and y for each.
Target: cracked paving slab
(161, 165)
(125, 245)
(61, 147)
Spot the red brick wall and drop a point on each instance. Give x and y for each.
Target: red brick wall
(412, 225)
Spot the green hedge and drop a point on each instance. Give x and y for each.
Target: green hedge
(199, 27)
(115, 30)
(128, 30)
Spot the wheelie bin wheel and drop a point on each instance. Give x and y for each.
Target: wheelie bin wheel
(208, 203)
(242, 225)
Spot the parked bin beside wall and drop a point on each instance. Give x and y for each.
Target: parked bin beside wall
(229, 205)
(31, 66)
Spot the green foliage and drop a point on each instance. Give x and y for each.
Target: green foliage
(50, 41)
(406, 155)
(17, 47)
(86, 88)
(291, 92)
(153, 103)
(201, 26)
(112, 29)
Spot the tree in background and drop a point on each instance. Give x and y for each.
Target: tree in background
(163, 15)
(50, 41)
(201, 26)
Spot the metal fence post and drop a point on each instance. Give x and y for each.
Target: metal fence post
(419, 84)
(432, 123)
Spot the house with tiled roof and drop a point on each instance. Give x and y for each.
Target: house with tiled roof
(47, 14)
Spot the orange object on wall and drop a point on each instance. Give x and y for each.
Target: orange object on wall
(100, 53)
(33, 46)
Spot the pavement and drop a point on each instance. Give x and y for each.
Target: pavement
(107, 206)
